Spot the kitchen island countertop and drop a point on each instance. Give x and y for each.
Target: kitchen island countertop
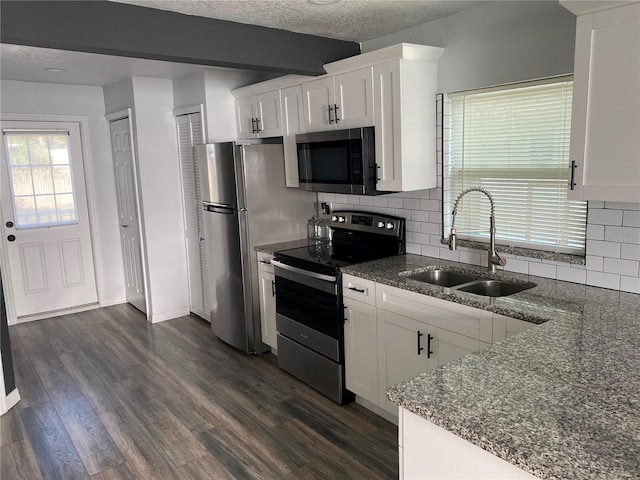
(561, 400)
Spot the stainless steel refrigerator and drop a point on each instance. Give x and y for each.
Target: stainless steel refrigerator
(245, 204)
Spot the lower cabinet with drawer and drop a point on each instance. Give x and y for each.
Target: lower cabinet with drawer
(392, 335)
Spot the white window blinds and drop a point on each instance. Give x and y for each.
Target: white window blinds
(514, 142)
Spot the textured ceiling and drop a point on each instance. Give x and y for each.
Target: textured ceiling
(354, 20)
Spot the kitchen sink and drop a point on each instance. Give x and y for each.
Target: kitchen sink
(444, 278)
(493, 288)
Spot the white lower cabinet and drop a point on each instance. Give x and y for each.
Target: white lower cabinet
(403, 352)
(361, 349)
(267, 282)
(430, 452)
(392, 335)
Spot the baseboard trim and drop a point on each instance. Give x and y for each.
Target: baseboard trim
(56, 313)
(10, 401)
(377, 410)
(164, 316)
(113, 301)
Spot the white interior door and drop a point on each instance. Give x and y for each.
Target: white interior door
(122, 151)
(189, 134)
(45, 218)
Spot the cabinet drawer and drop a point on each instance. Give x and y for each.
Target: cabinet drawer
(359, 289)
(467, 321)
(264, 262)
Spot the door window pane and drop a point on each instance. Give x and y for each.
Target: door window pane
(41, 176)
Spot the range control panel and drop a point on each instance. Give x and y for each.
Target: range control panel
(370, 222)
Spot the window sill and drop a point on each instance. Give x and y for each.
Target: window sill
(522, 252)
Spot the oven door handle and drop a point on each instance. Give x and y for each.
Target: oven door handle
(306, 273)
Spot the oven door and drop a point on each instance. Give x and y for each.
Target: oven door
(308, 309)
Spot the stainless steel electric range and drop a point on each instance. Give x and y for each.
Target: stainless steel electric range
(309, 309)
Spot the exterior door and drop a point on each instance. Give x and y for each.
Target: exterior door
(189, 134)
(45, 218)
(124, 169)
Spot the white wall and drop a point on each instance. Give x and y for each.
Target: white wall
(151, 101)
(495, 43)
(161, 197)
(212, 89)
(53, 99)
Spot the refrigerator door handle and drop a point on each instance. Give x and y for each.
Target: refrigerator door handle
(207, 207)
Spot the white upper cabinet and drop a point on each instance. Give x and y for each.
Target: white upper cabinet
(405, 120)
(259, 116)
(337, 102)
(605, 149)
(292, 113)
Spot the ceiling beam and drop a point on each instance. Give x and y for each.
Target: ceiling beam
(131, 31)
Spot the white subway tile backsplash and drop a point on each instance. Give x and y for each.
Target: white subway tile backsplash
(622, 267)
(571, 275)
(597, 204)
(620, 206)
(450, 254)
(602, 216)
(594, 263)
(429, 251)
(604, 280)
(412, 226)
(419, 215)
(367, 201)
(430, 228)
(395, 202)
(430, 205)
(515, 265)
(542, 270)
(435, 217)
(603, 249)
(414, 248)
(435, 194)
(630, 252)
(472, 258)
(380, 201)
(595, 232)
(412, 203)
(622, 234)
(631, 218)
(421, 238)
(630, 284)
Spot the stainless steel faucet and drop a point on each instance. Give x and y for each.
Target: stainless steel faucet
(494, 259)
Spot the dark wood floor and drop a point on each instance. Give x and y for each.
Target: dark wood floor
(105, 395)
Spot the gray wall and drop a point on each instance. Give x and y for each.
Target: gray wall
(495, 43)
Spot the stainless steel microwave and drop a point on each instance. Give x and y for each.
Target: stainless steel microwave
(338, 161)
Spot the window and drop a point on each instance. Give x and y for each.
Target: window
(514, 142)
(41, 178)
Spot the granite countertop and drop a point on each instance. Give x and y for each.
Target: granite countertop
(561, 400)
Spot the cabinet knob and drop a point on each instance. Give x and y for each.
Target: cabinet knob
(11, 238)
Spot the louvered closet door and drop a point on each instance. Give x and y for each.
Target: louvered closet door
(189, 134)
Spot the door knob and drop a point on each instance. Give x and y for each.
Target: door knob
(11, 238)
(9, 224)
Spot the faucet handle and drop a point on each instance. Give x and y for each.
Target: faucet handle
(498, 260)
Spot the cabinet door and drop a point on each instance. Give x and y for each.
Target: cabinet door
(387, 115)
(267, 307)
(399, 340)
(292, 113)
(361, 349)
(245, 117)
(318, 95)
(606, 116)
(268, 114)
(354, 99)
(449, 346)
